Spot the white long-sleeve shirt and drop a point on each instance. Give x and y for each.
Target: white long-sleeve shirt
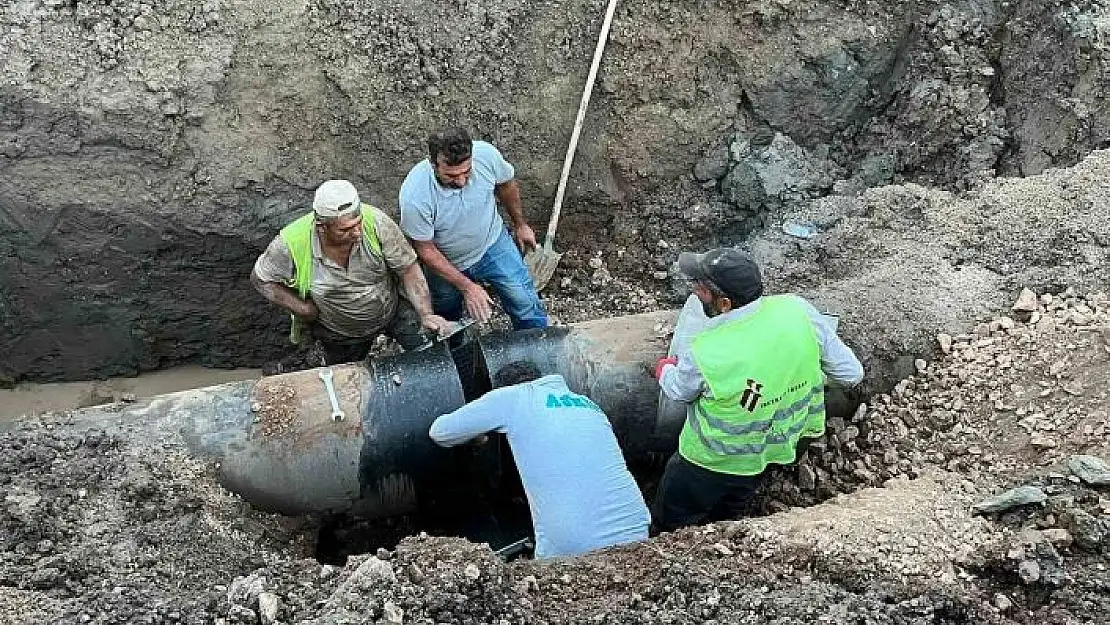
(684, 382)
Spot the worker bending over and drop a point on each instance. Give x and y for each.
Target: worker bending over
(754, 381)
(338, 268)
(580, 492)
(449, 212)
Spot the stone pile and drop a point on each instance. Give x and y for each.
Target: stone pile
(1019, 383)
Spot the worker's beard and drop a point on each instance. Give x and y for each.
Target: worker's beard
(448, 184)
(710, 309)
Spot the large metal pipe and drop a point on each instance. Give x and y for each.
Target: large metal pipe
(278, 447)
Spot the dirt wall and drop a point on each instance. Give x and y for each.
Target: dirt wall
(148, 151)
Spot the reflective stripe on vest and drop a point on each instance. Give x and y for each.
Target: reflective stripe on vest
(298, 240)
(766, 390)
(758, 448)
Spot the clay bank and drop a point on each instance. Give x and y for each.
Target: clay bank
(149, 151)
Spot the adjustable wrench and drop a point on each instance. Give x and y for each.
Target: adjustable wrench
(326, 375)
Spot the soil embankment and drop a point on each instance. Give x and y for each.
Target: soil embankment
(148, 152)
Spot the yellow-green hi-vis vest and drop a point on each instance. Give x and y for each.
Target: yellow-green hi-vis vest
(764, 372)
(298, 238)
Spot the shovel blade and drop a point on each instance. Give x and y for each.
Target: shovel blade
(542, 263)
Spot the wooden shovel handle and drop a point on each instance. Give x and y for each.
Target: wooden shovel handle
(549, 240)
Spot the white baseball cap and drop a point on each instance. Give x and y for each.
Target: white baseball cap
(335, 198)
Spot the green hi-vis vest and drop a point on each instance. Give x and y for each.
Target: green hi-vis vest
(298, 239)
(764, 371)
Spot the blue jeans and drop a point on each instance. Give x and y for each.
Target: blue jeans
(503, 268)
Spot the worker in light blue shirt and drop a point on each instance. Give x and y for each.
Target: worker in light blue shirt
(449, 212)
(580, 492)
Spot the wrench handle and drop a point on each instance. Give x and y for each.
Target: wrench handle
(336, 413)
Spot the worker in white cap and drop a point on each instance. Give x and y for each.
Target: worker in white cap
(339, 270)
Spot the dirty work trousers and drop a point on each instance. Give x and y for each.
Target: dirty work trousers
(404, 328)
(690, 495)
(503, 268)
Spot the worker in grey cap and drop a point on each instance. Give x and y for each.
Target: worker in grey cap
(339, 269)
(754, 380)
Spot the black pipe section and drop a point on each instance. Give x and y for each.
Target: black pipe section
(379, 461)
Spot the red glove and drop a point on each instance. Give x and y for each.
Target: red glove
(666, 360)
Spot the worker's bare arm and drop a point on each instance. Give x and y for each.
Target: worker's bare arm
(283, 296)
(416, 287)
(508, 195)
(478, 302)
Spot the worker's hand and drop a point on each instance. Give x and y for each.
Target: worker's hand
(306, 310)
(525, 237)
(437, 324)
(666, 360)
(478, 302)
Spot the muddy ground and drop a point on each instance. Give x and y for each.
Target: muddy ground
(148, 151)
(101, 529)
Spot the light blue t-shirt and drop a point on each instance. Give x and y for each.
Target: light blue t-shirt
(463, 223)
(580, 491)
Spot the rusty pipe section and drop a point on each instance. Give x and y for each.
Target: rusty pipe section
(278, 447)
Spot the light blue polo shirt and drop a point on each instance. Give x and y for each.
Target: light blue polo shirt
(463, 223)
(579, 489)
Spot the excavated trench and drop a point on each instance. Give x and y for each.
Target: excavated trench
(147, 157)
(474, 491)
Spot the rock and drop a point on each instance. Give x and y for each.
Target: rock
(46, 577)
(530, 583)
(1050, 565)
(1029, 571)
(713, 167)
(595, 263)
(1013, 498)
(920, 365)
(242, 614)
(660, 275)
(328, 571)
(1090, 533)
(393, 613)
(1003, 603)
(1006, 323)
(807, 479)
(1040, 441)
(1058, 536)
(369, 574)
(472, 572)
(246, 590)
(945, 342)
(268, 607)
(1026, 302)
(1091, 469)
